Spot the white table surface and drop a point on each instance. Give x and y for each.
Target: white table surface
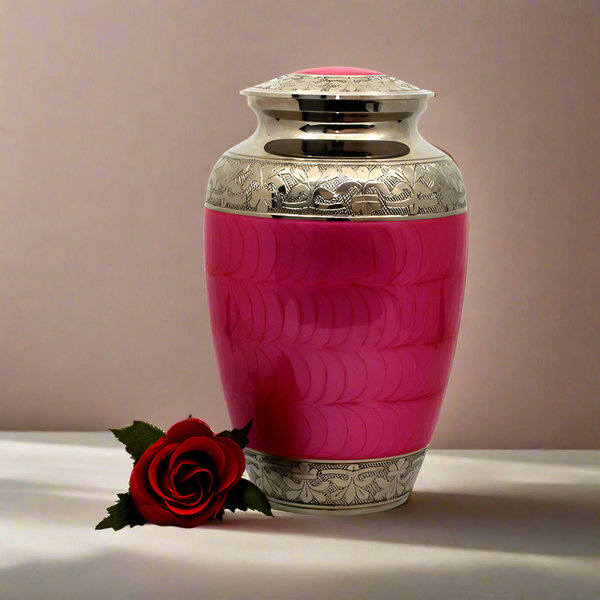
(480, 525)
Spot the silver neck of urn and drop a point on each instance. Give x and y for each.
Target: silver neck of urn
(317, 128)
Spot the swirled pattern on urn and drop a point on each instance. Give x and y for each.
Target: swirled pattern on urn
(336, 339)
(341, 84)
(405, 190)
(334, 485)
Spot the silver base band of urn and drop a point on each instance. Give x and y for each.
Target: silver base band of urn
(334, 487)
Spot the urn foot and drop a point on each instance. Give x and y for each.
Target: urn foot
(334, 487)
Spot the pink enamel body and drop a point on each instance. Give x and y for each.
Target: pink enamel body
(337, 338)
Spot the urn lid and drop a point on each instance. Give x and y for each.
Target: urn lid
(336, 83)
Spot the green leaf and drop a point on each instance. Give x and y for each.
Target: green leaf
(138, 437)
(245, 495)
(123, 513)
(239, 436)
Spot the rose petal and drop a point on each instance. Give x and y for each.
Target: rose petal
(188, 428)
(139, 474)
(206, 514)
(163, 453)
(210, 512)
(205, 481)
(179, 509)
(187, 471)
(181, 462)
(190, 507)
(154, 513)
(173, 471)
(161, 515)
(218, 502)
(175, 493)
(202, 489)
(201, 444)
(165, 482)
(150, 508)
(239, 462)
(234, 464)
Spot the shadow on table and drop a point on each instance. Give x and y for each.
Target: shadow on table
(537, 542)
(506, 524)
(568, 527)
(129, 575)
(566, 458)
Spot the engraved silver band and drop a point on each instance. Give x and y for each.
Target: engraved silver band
(376, 86)
(339, 511)
(341, 486)
(383, 190)
(316, 217)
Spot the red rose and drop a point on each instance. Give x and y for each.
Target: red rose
(184, 477)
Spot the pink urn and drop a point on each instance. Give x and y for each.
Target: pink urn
(336, 248)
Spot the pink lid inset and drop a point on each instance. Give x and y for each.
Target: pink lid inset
(337, 71)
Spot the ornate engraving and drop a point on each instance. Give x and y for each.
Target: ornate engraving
(336, 84)
(332, 485)
(337, 189)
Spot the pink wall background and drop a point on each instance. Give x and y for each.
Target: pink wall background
(112, 114)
